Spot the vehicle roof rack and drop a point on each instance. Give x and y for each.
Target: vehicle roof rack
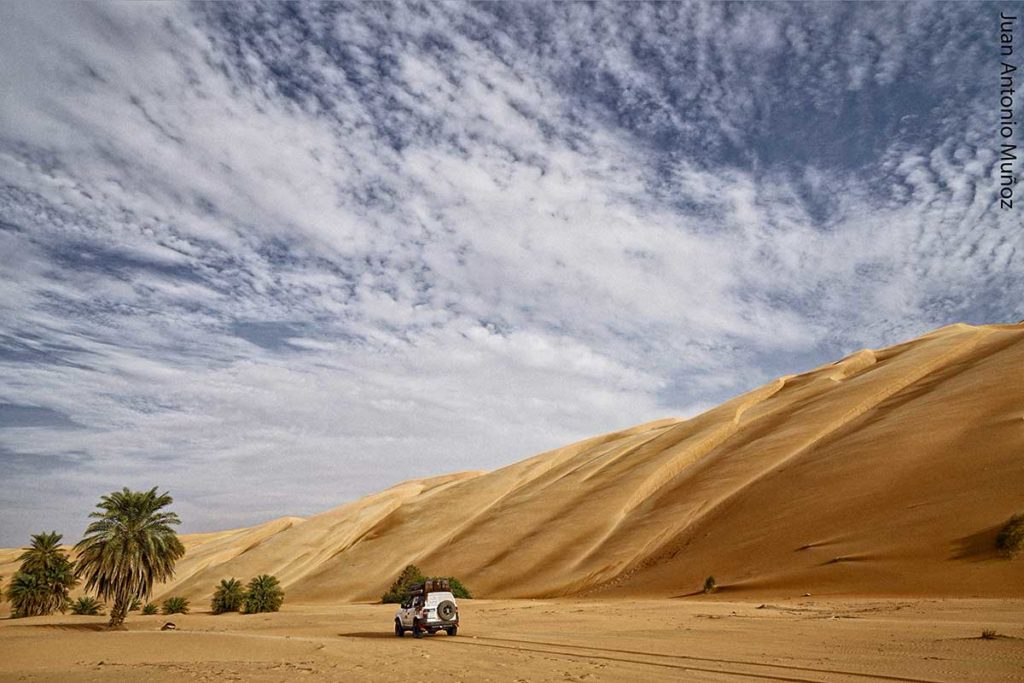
(430, 586)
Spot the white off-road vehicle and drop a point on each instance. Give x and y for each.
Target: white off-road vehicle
(430, 607)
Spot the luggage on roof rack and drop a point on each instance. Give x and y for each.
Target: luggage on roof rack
(430, 586)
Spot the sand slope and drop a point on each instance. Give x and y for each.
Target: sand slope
(886, 473)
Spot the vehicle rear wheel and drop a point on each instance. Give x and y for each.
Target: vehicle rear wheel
(417, 630)
(452, 630)
(446, 610)
(399, 631)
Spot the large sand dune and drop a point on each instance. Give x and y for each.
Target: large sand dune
(886, 473)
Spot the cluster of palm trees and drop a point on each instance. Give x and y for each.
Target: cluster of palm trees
(46, 576)
(263, 594)
(130, 546)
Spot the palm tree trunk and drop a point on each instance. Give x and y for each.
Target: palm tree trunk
(118, 613)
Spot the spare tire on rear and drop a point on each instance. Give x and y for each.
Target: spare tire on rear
(446, 610)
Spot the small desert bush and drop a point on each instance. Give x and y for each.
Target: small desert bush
(410, 575)
(175, 605)
(459, 590)
(136, 604)
(228, 597)
(400, 588)
(709, 585)
(263, 594)
(150, 608)
(86, 605)
(1010, 540)
(989, 634)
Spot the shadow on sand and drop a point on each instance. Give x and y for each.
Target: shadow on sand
(701, 593)
(69, 627)
(978, 547)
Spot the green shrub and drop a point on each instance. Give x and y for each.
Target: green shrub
(175, 605)
(411, 575)
(400, 588)
(459, 590)
(135, 605)
(263, 594)
(228, 597)
(709, 585)
(86, 605)
(150, 608)
(1010, 540)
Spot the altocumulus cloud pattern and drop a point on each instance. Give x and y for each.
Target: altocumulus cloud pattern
(275, 256)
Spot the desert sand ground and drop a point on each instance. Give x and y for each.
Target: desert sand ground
(800, 639)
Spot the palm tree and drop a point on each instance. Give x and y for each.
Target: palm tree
(130, 546)
(228, 597)
(86, 605)
(44, 580)
(27, 594)
(264, 594)
(175, 605)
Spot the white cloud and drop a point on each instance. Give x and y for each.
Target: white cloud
(311, 255)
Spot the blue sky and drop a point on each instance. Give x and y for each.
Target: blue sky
(273, 257)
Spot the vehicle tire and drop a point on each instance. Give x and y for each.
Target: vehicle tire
(417, 630)
(446, 610)
(452, 630)
(399, 631)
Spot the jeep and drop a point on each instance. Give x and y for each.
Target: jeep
(428, 608)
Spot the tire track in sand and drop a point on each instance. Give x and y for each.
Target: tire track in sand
(516, 645)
